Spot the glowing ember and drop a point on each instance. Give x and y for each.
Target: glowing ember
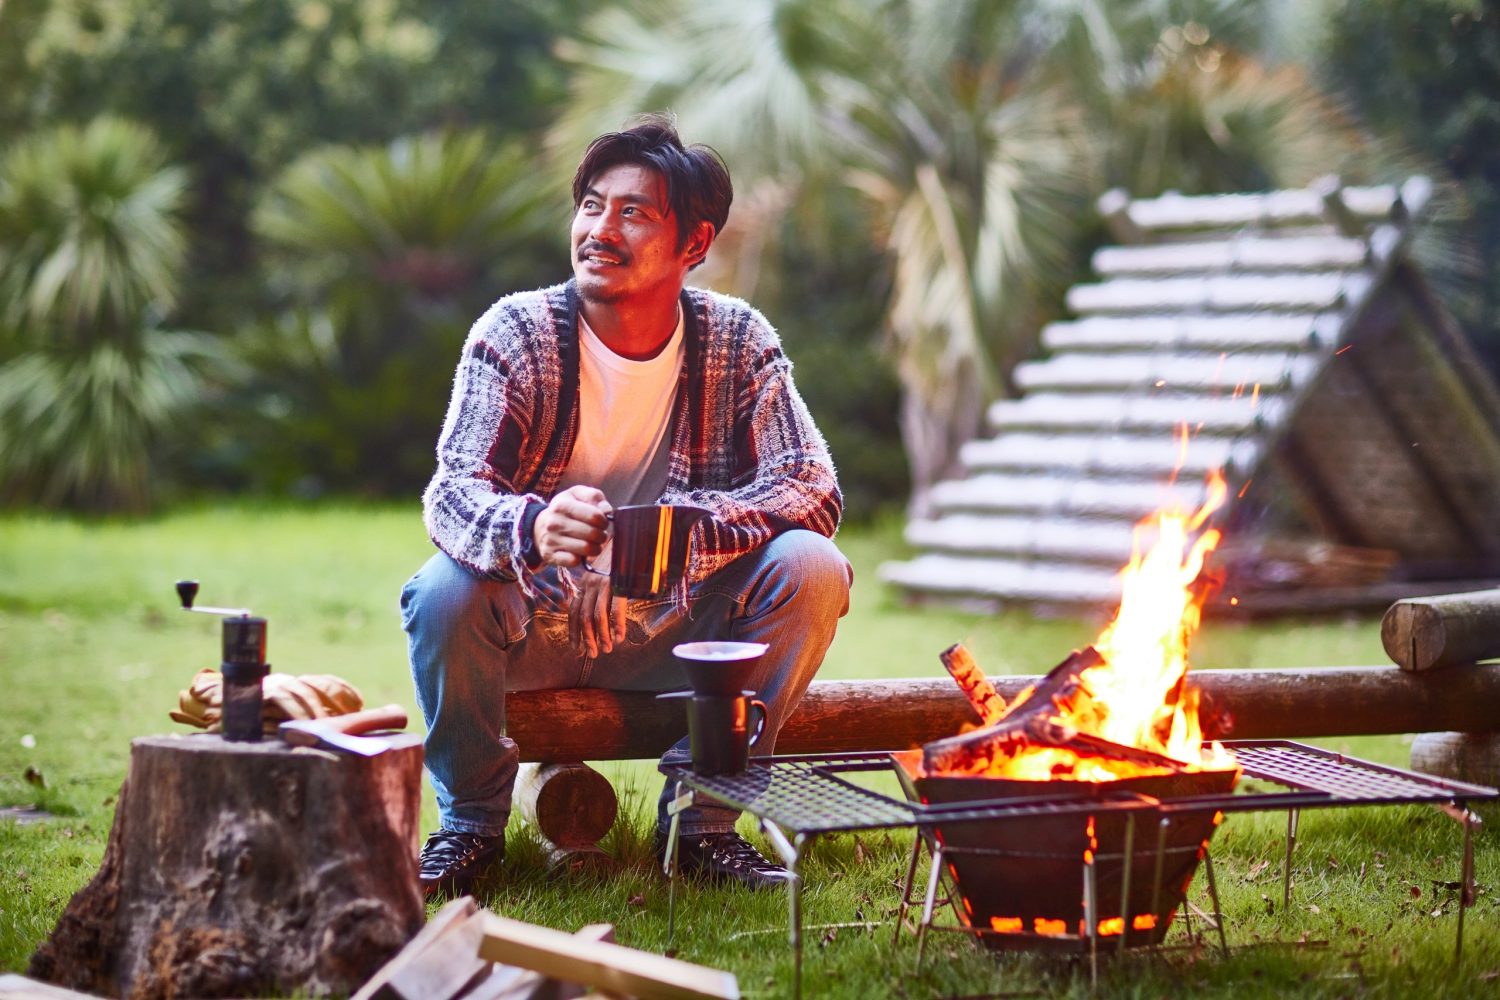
(1137, 696)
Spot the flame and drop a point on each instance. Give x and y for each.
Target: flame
(1138, 696)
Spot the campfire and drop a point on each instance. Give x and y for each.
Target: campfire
(1112, 723)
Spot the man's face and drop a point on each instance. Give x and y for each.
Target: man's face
(624, 238)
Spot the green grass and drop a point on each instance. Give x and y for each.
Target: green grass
(93, 652)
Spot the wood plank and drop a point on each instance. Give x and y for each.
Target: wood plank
(422, 957)
(600, 964)
(1247, 332)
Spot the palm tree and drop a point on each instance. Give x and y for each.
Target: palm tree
(380, 258)
(977, 131)
(91, 261)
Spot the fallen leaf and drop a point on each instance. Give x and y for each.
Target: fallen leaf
(1333, 862)
(34, 777)
(639, 899)
(1416, 891)
(1313, 908)
(1257, 868)
(1438, 912)
(859, 852)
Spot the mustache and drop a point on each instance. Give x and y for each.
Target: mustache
(596, 247)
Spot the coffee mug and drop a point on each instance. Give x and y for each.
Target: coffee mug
(650, 547)
(720, 732)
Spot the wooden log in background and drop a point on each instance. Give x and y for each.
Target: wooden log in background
(844, 716)
(246, 869)
(1426, 633)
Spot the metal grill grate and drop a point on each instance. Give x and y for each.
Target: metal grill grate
(1346, 780)
(810, 795)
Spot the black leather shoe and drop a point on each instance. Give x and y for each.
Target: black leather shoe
(725, 857)
(451, 861)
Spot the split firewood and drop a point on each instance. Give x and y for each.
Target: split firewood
(1029, 722)
(961, 666)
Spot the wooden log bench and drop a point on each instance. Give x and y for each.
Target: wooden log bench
(572, 806)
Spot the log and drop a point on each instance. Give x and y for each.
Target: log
(1471, 757)
(244, 869)
(900, 714)
(610, 967)
(1427, 633)
(571, 806)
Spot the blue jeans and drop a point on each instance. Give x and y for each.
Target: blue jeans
(471, 640)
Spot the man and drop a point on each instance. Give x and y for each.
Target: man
(621, 386)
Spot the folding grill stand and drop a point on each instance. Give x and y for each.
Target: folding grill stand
(796, 799)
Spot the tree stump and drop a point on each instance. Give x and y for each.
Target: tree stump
(240, 869)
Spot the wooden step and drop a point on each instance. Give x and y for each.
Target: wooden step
(1153, 457)
(1220, 374)
(1241, 254)
(1054, 538)
(1233, 332)
(1160, 414)
(1173, 211)
(1285, 292)
(1079, 496)
(1005, 579)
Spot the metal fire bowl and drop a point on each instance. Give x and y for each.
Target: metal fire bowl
(1034, 868)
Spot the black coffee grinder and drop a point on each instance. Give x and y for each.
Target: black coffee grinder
(244, 665)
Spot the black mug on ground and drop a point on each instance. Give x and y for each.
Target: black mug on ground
(721, 733)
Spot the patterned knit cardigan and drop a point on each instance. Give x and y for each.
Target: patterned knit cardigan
(743, 444)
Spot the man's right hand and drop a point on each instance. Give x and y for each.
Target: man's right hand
(574, 527)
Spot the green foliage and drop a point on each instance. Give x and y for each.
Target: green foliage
(1428, 71)
(91, 259)
(380, 259)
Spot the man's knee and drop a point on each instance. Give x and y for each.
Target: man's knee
(442, 596)
(814, 564)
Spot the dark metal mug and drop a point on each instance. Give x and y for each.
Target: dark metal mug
(720, 731)
(650, 547)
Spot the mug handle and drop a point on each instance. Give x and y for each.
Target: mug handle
(760, 727)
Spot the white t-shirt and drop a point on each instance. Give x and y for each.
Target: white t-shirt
(624, 410)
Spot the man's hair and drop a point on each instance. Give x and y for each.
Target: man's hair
(698, 186)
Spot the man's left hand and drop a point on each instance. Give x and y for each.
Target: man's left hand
(596, 618)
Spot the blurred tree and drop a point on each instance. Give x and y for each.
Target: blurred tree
(91, 263)
(977, 134)
(239, 88)
(1429, 72)
(380, 259)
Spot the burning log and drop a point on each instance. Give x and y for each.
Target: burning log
(1029, 722)
(964, 670)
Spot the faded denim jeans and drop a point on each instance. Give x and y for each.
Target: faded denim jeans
(471, 640)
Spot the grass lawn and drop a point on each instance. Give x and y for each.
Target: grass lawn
(93, 653)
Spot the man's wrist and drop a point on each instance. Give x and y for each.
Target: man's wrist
(531, 554)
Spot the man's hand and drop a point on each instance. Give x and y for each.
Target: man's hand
(596, 618)
(574, 527)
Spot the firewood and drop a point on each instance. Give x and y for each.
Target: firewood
(14, 987)
(965, 671)
(438, 963)
(1426, 633)
(1029, 722)
(606, 966)
(507, 982)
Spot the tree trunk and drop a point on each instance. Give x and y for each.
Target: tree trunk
(237, 869)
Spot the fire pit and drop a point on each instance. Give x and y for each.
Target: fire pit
(1114, 722)
(1025, 883)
